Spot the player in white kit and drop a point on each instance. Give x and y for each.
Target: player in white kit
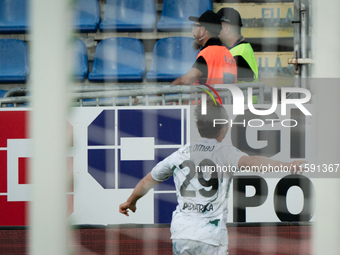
(202, 173)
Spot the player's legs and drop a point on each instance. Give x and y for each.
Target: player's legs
(204, 248)
(190, 247)
(182, 247)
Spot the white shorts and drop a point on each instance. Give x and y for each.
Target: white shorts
(190, 247)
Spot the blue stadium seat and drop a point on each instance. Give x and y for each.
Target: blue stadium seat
(13, 61)
(119, 59)
(129, 16)
(172, 57)
(86, 16)
(2, 92)
(14, 16)
(81, 67)
(175, 14)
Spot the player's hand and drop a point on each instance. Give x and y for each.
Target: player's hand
(296, 167)
(124, 208)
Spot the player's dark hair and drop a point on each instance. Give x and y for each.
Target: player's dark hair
(205, 123)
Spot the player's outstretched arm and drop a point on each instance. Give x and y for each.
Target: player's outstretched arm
(258, 163)
(140, 190)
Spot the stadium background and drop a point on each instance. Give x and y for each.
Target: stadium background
(267, 25)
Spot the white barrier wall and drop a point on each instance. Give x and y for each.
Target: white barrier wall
(114, 147)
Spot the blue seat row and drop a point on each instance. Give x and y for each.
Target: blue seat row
(14, 61)
(14, 16)
(2, 93)
(175, 14)
(86, 16)
(81, 68)
(129, 16)
(119, 59)
(119, 16)
(172, 57)
(123, 59)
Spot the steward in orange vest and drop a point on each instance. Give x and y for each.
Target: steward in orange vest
(214, 63)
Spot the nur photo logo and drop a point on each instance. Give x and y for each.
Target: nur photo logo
(238, 100)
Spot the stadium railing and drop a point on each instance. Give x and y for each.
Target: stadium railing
(129, 95)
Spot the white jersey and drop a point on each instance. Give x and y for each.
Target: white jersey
(202, 174)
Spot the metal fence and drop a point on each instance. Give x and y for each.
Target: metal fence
(129, 95)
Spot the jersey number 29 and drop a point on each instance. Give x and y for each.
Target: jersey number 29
(212, 182)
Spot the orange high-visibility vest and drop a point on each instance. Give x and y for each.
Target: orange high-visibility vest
(221, 65)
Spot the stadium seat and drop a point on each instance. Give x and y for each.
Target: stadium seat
(13, 61)
(119, 59)
(175, 14)
(81, 67)
(86, 16)
(2, 92)
(172, 57)
(129, 16)
(2, 95)
(14, 16)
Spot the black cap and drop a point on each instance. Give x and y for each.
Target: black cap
(209, 20)
(206, 17)
(230, 16)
